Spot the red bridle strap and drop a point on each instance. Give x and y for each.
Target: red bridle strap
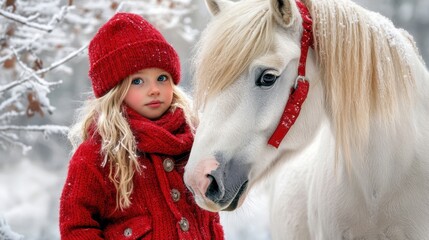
(299, 92)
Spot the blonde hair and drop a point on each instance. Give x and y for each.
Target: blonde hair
(118, 143)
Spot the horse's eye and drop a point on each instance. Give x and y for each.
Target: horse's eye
(267, 79)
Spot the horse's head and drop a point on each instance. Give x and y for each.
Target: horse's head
(246, 66)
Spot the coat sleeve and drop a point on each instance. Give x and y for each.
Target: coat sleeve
(82, 198)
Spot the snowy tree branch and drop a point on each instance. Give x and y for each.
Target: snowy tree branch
(57, 18)
(46, 129)
(31, 71)
(13, 139)
(9, 115)
(54, 65)
(62, 61)
(9, 101)
(26, 21)
(18, 50)
(31, 36)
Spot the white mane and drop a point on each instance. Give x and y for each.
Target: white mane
(365, 67)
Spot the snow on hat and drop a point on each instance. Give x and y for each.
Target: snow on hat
(124, 45)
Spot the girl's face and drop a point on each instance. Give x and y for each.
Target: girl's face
(150, 93)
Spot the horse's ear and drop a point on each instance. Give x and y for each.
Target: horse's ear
(285, 11)
(216, 6)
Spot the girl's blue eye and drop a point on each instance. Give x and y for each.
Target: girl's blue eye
(162, 78)
(137, 81)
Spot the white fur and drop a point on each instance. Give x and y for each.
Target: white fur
(382, 193)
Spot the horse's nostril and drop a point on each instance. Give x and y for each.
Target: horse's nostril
(213, 191)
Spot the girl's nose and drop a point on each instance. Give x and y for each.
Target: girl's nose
(153, 90)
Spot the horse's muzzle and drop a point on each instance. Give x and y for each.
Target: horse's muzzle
(217, 183)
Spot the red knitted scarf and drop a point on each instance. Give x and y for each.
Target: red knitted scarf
(169, 135)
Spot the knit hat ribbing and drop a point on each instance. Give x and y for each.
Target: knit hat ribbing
(124, 45)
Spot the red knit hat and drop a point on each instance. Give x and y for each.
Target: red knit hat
(124, 45)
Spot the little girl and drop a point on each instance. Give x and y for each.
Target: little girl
(125, 179)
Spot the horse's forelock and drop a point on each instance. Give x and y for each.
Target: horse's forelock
(230, 43)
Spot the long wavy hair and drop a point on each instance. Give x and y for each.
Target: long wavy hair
(118, 143)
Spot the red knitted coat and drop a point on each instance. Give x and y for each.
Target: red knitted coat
(161, 206)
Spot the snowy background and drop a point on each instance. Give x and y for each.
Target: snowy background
(31, 179)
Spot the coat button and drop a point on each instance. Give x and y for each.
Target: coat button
(184, 224)
(128, 232)
(175, 195)
(168, 164)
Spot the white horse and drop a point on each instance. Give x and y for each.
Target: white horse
(366, 174)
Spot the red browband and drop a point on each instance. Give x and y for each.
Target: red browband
(299, 92)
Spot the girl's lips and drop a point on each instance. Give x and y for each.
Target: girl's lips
(154, 104)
